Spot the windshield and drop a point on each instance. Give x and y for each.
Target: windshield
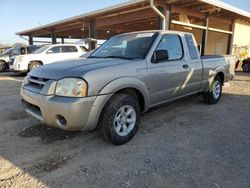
(42, 49)
(15, 51)
(5, 52)
(130, 46)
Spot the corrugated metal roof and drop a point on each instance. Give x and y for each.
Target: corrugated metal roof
(215, 3)
(93, 13)
(226, 6)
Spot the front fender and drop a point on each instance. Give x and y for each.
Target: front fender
(127, 82)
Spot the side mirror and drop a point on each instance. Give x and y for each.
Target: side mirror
(160, 55)
(49, 52)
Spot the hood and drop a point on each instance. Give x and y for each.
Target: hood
(73, 68)
(4, 55)
(29, 55)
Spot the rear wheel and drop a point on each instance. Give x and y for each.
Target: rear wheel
(120, 119)
(3, 66)
(246, 67)
(34, 65)
(214, 93)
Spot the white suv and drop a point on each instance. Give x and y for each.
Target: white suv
(45, 55)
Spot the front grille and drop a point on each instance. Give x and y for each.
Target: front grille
(11, 62)
(37, 81)
(36, 84)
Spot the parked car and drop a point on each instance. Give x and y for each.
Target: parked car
(246, 65)
(46, 55)
(123, 78)
(22, 50)
(4, 59)
(9, 56)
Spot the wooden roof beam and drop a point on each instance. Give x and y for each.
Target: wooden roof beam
(135, 16)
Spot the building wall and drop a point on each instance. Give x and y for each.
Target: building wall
(241, 33)
(216, 43)
(241, 39)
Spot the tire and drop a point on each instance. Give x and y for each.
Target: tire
(246, 67)
(3, 66)
(34, 65)
(120, 119)
(214, 94)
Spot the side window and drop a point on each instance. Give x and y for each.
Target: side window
(191, 46)
(171, 43)
(69, 49)
(53, 50)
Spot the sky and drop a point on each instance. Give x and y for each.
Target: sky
(19, 15)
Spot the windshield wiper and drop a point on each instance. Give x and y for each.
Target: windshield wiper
(118, 57)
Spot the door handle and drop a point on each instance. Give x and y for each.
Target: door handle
(185, 66)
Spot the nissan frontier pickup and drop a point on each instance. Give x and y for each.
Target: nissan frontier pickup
(126, 76)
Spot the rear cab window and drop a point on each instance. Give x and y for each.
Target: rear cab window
(191, 46)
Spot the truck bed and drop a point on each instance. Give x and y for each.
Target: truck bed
(211, 62)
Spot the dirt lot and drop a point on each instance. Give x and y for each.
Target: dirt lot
(183, 144)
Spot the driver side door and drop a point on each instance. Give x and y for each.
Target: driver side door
(166, 77)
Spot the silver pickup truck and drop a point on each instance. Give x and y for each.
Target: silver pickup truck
(126, 76)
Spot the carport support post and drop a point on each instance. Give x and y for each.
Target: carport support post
(30, 40)
(167, 13)
(92, 35)
(159, 19)
(53, 38)
(230, 39)
(62, 40)
(204, 37)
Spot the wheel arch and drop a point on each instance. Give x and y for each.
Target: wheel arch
(130, 86)
(33, 61)
(3, 60)
(220, 73)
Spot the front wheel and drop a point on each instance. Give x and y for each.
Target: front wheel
(215, 91)
(3, 66)
(34, 65)
(120, 119)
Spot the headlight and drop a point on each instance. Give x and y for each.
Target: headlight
(19, 59)
(25, 81)
(71, 87)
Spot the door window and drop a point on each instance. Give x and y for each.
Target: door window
(171, 43)
(69, 49)
(56, 49)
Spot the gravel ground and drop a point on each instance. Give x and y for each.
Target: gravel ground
(183, 144)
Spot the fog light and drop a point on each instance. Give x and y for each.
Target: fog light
(61, 120)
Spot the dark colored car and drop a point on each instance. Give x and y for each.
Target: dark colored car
(246, 65)
(21, 51)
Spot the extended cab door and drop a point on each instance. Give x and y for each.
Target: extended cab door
(169, 79)
(195, 63)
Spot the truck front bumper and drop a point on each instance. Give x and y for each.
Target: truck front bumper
(19, 67)
(64, 112)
